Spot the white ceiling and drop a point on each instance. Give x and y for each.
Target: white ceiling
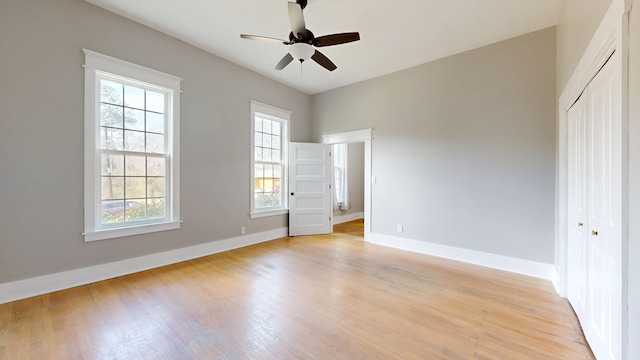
(395, 35)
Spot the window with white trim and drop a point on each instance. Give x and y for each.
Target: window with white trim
(269, 145)
(131, 148)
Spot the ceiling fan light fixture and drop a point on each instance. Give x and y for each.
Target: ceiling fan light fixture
(301, 51)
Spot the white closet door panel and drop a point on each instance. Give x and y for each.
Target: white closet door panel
(577, 211)
(605, 213)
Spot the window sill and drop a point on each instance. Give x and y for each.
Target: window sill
(261, 214)
(130, 231)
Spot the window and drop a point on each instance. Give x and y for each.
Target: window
(341, 179)
(270, 129)
(131, 149)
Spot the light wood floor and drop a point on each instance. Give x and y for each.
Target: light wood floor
(353, 228)
(314, 297)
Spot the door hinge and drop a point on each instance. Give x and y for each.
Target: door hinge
(329, 186)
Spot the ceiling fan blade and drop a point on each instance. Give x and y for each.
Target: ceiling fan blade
(284, 62)
(264, 38)
(297, 20)
(323, 61)
(336, 39)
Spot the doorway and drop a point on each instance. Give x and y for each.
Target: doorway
(359, 136)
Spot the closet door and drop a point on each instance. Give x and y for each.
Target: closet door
(577, 214)
(604, 180)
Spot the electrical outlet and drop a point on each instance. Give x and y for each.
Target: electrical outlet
(243, 230)
(400, 228)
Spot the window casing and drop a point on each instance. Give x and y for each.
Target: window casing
(269, 160)
(131, 149)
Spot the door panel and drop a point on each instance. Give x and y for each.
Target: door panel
(309, 189)
(605, 213)
(577, 212)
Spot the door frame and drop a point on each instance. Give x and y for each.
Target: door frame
(357, 136)
(612, 35)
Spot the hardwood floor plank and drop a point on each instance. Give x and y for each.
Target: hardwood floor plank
(312, 297)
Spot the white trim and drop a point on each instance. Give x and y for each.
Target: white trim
(347, 137)
(266, 213)
(130, 231)
(347, 217)
(21, 289)
(555, 280)
(270, 110)
(364, 135)
(130, 70)
(506, 263)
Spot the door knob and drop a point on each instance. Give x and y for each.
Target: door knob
(580, 224)
(594, 233)
(291, 194)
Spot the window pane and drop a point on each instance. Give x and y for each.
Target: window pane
(266, 140)
(275, 155)
(258, 154)
(135, 187)
(135, 165)
(277, 171)
(133, 119)
(268, 171)
(276, 128)
(156, 208)
(155, 122)
(112, 165)
(155, 101)
(258, 140)
(266, 126)
(134, 210)
(111, 115)
(155, 143)
(266, 154)
(267, 184)
(112, 188)
(112, 211)
(133, 97)
(156, 167)
(110, 92)
(275, 142)
(258, 124)
(155, 187)
(133, 141)
(268, 199)
(111, 139)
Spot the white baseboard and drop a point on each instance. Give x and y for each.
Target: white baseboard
(348, 217)
(555, 280)
(22, 289)
(515, 265)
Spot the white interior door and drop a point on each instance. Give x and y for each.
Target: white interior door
(309, 189)
(604, 180)
(577, 122)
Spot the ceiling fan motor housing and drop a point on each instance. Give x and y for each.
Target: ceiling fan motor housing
(307, 38)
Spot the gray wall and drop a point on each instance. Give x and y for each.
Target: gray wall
(578, 22)
(41, 136)
(355, 166)
(464, 147)
(633, 250)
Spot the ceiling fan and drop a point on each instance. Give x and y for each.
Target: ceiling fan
(302, 41)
